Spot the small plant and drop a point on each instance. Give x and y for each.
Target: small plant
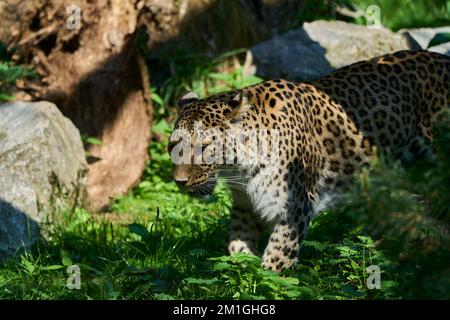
(91, 140)
(196, 72)
(241, 277)
(9, 73)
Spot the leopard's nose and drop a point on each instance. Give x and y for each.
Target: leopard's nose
(181, 183)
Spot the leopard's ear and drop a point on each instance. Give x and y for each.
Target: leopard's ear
(186, 99)
(240, 105)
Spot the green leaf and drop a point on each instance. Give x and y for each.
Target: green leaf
(248, 81)
(161, 127)
(207, 282)
(354, 265)
(337, 261)
(157, 98)
(315, 245)
(366, 240)
(346, 251)
(220, 76)
(439, 38)
(163, 296)
(293, 294)
(306, 290)
(5, 97)
(65, 257)
(66, 261)
(289, 281)
(138, 229)
(93, 141)
(221, 266)
(54, 267)
(28, 265)
(145, 184)
(89, 268)
(247, 296)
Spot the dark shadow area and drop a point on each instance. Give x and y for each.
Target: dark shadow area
(17, 230)
(303, 61)
(102, 92)
(209, 32)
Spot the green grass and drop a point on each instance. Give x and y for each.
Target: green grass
(187, 71)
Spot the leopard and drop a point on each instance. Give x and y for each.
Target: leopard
(327, 130)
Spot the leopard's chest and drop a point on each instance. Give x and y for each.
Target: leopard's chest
(267, 195)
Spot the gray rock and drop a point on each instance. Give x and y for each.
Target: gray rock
(421, 37)
(42, 170)
(319, 47)
(18, 206)
(293, 55)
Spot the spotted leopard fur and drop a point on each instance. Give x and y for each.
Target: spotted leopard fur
(327, 130)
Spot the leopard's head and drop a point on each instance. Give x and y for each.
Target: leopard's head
(199, 132)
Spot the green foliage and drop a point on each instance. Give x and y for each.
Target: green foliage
(241, 277)
(228, 81)
(194, 72)
(398, 14)
(408, 210)
(9, 73)
(326, 271)
(395, 14)
(317, 10)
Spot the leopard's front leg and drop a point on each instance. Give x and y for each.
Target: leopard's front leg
(244, 232)
(284, 243)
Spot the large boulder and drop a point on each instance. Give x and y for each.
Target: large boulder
(42, 170)
(319, 47)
